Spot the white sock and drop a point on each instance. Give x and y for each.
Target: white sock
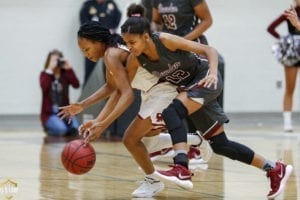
(287, 118)
(152, 176)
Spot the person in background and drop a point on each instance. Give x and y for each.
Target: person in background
(104, 11)
(289, 71)
(292, 16)
(148, 7)
(55, 80)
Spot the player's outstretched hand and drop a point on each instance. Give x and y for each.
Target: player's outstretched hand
(70, 110)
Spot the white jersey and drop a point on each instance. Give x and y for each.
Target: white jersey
(143, 80)
(155, 100)
(155, 96)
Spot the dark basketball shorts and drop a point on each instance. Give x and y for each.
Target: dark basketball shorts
(211, 115)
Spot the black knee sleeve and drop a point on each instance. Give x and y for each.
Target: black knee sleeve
(173, 116)
(221, 145)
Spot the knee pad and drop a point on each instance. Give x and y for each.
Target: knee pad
(233, 150)
(173, 116)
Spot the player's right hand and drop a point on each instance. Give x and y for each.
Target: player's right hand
(70, 110)
(91, 130)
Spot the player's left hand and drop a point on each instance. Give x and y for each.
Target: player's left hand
(211, 80)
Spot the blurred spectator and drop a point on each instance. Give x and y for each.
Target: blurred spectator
(148, 7)
(289, 58)
(55, 80)
(292, 16)
(104, 11)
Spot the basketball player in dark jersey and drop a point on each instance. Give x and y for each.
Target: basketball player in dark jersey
(173, 59)
(189, 19)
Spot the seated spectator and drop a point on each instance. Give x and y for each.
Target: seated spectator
(55, 80)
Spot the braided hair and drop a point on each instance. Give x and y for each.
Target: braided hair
(95, 31)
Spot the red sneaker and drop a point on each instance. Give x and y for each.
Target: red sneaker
(179, 175)
(194, 156)
(278, 178)
(167, 152)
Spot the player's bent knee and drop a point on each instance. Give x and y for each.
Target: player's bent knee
(174, 113)
(173, 116)
(130, 142)
(233, 150)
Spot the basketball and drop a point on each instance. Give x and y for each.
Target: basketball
(78, 158)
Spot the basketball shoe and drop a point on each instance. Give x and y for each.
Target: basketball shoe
(167, 152)
(194, 155)
(278, 178)
(194, 152)
(179, 175)
(148, 188)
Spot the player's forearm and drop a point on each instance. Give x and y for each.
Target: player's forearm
(109, 106)
(97, 96)
(198, 30)
(123, 103)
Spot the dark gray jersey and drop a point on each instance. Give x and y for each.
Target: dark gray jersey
(177, 67)
(178, 16)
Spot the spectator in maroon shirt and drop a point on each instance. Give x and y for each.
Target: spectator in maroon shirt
(290, 71)
(55, 80)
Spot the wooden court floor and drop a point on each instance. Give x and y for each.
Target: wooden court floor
(30, 169)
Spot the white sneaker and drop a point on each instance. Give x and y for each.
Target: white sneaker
(287, 127)
(149, 188)
(198, 167)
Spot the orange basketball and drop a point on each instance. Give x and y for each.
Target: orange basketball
(78, 158)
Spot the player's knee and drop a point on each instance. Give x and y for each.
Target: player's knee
(129, 141)
(218, 143)
(126, 141)
(235, 151)
(174, 114)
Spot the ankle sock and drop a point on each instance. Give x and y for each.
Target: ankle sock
(268, 165)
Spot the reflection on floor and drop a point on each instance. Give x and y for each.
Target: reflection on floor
(31, 169)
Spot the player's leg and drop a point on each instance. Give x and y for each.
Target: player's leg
(173, 116)
(276, 171)
(290, 83)
(211, 125)
(132, 141)
(161, 146)
(190, 100)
